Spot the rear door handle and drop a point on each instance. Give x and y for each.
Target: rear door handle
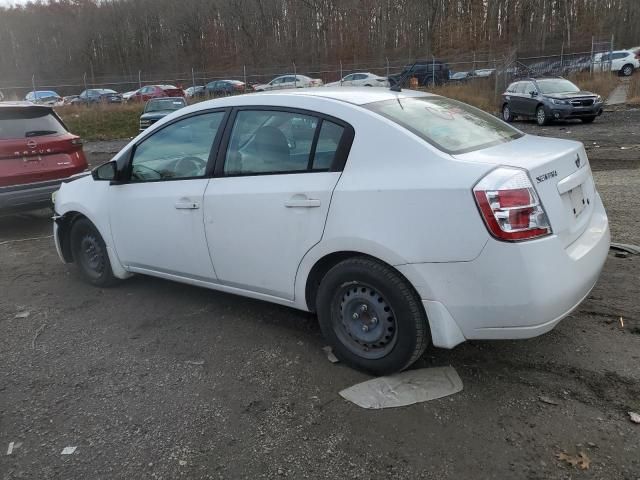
(302, 203)
(186, 205)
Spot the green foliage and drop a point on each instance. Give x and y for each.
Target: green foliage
(102, 122)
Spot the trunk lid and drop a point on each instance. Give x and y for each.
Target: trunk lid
(559, 171)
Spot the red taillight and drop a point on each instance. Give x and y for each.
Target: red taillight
(510, 206)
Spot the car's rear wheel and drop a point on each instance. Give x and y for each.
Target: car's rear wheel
(588, 119)
(507, 116)
(90, 254)
(541, 116)
(371, 316)
(627, 70)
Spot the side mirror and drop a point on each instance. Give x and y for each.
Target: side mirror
(533, 93)
(105, 172)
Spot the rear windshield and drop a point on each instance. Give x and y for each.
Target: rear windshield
(28, 122)
(164, 104)
(451, 126)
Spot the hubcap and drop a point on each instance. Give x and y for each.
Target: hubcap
(92, 255)
(365, 322)
(541, 115)
(505, 113)
(627, 71)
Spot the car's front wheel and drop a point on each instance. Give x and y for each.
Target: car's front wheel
(90, 254)
(507, 115)
(541, 116)
(371, 316)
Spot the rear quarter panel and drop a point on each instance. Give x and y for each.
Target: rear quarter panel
(400, 200)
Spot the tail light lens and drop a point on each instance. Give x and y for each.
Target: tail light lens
(510, 205)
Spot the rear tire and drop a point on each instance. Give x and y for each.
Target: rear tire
(371, 316)
(627, 70)
(588, 119)
(90, 255)
(541, 116)
(507, 116)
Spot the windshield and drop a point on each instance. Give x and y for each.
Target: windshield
(451, 126)
(28, 122)
(164, 104)
(557, 86)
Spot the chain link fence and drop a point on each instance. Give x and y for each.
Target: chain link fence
(504, 68)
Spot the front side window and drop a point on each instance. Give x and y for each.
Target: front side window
(179, 150)
(449, 125)
(264, 141)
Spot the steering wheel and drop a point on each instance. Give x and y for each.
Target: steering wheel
(189, 167)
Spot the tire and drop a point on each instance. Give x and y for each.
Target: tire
(627, 70)
(507, 116)
(588, 119)
(89, 253)
(541, 116)
(360, 292)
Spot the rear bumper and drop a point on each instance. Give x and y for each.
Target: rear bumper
(511, 291)
(19, 198)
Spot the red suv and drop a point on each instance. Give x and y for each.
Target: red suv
(37, 154)
(157, 91)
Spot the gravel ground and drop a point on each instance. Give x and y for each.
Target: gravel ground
(158, 380)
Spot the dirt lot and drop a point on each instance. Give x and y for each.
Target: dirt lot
(159, 380)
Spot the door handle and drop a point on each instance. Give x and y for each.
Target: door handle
(302, 203)
(186, 205)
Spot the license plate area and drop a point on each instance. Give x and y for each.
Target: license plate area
(578, 201)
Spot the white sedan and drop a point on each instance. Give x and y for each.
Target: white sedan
(289, 81)
(401, 218)
(364, 79)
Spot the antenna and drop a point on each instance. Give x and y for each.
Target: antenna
(398, 86)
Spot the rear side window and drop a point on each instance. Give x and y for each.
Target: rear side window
(272, 142)
(449, 125)
(28, 122)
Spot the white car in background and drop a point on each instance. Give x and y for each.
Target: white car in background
(622, 61)
(289, 81)
(364, 79)
(126, 96)
(401, 218)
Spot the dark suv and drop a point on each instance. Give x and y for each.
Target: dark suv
(548, 99)
(427, 72)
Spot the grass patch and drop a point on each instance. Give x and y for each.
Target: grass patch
(479, 92)
(601, 83)
(633, 94)
(102, 122)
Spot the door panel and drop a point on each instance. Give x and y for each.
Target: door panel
(269, 204)
(259, 227)
(157, 219)
(152, 230)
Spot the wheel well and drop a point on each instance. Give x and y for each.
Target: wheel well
(326, 263)
(64, 229)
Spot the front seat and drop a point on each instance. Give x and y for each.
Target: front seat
(271, 149)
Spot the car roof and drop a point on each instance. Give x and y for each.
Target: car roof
(352, 95)
(24, 104)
